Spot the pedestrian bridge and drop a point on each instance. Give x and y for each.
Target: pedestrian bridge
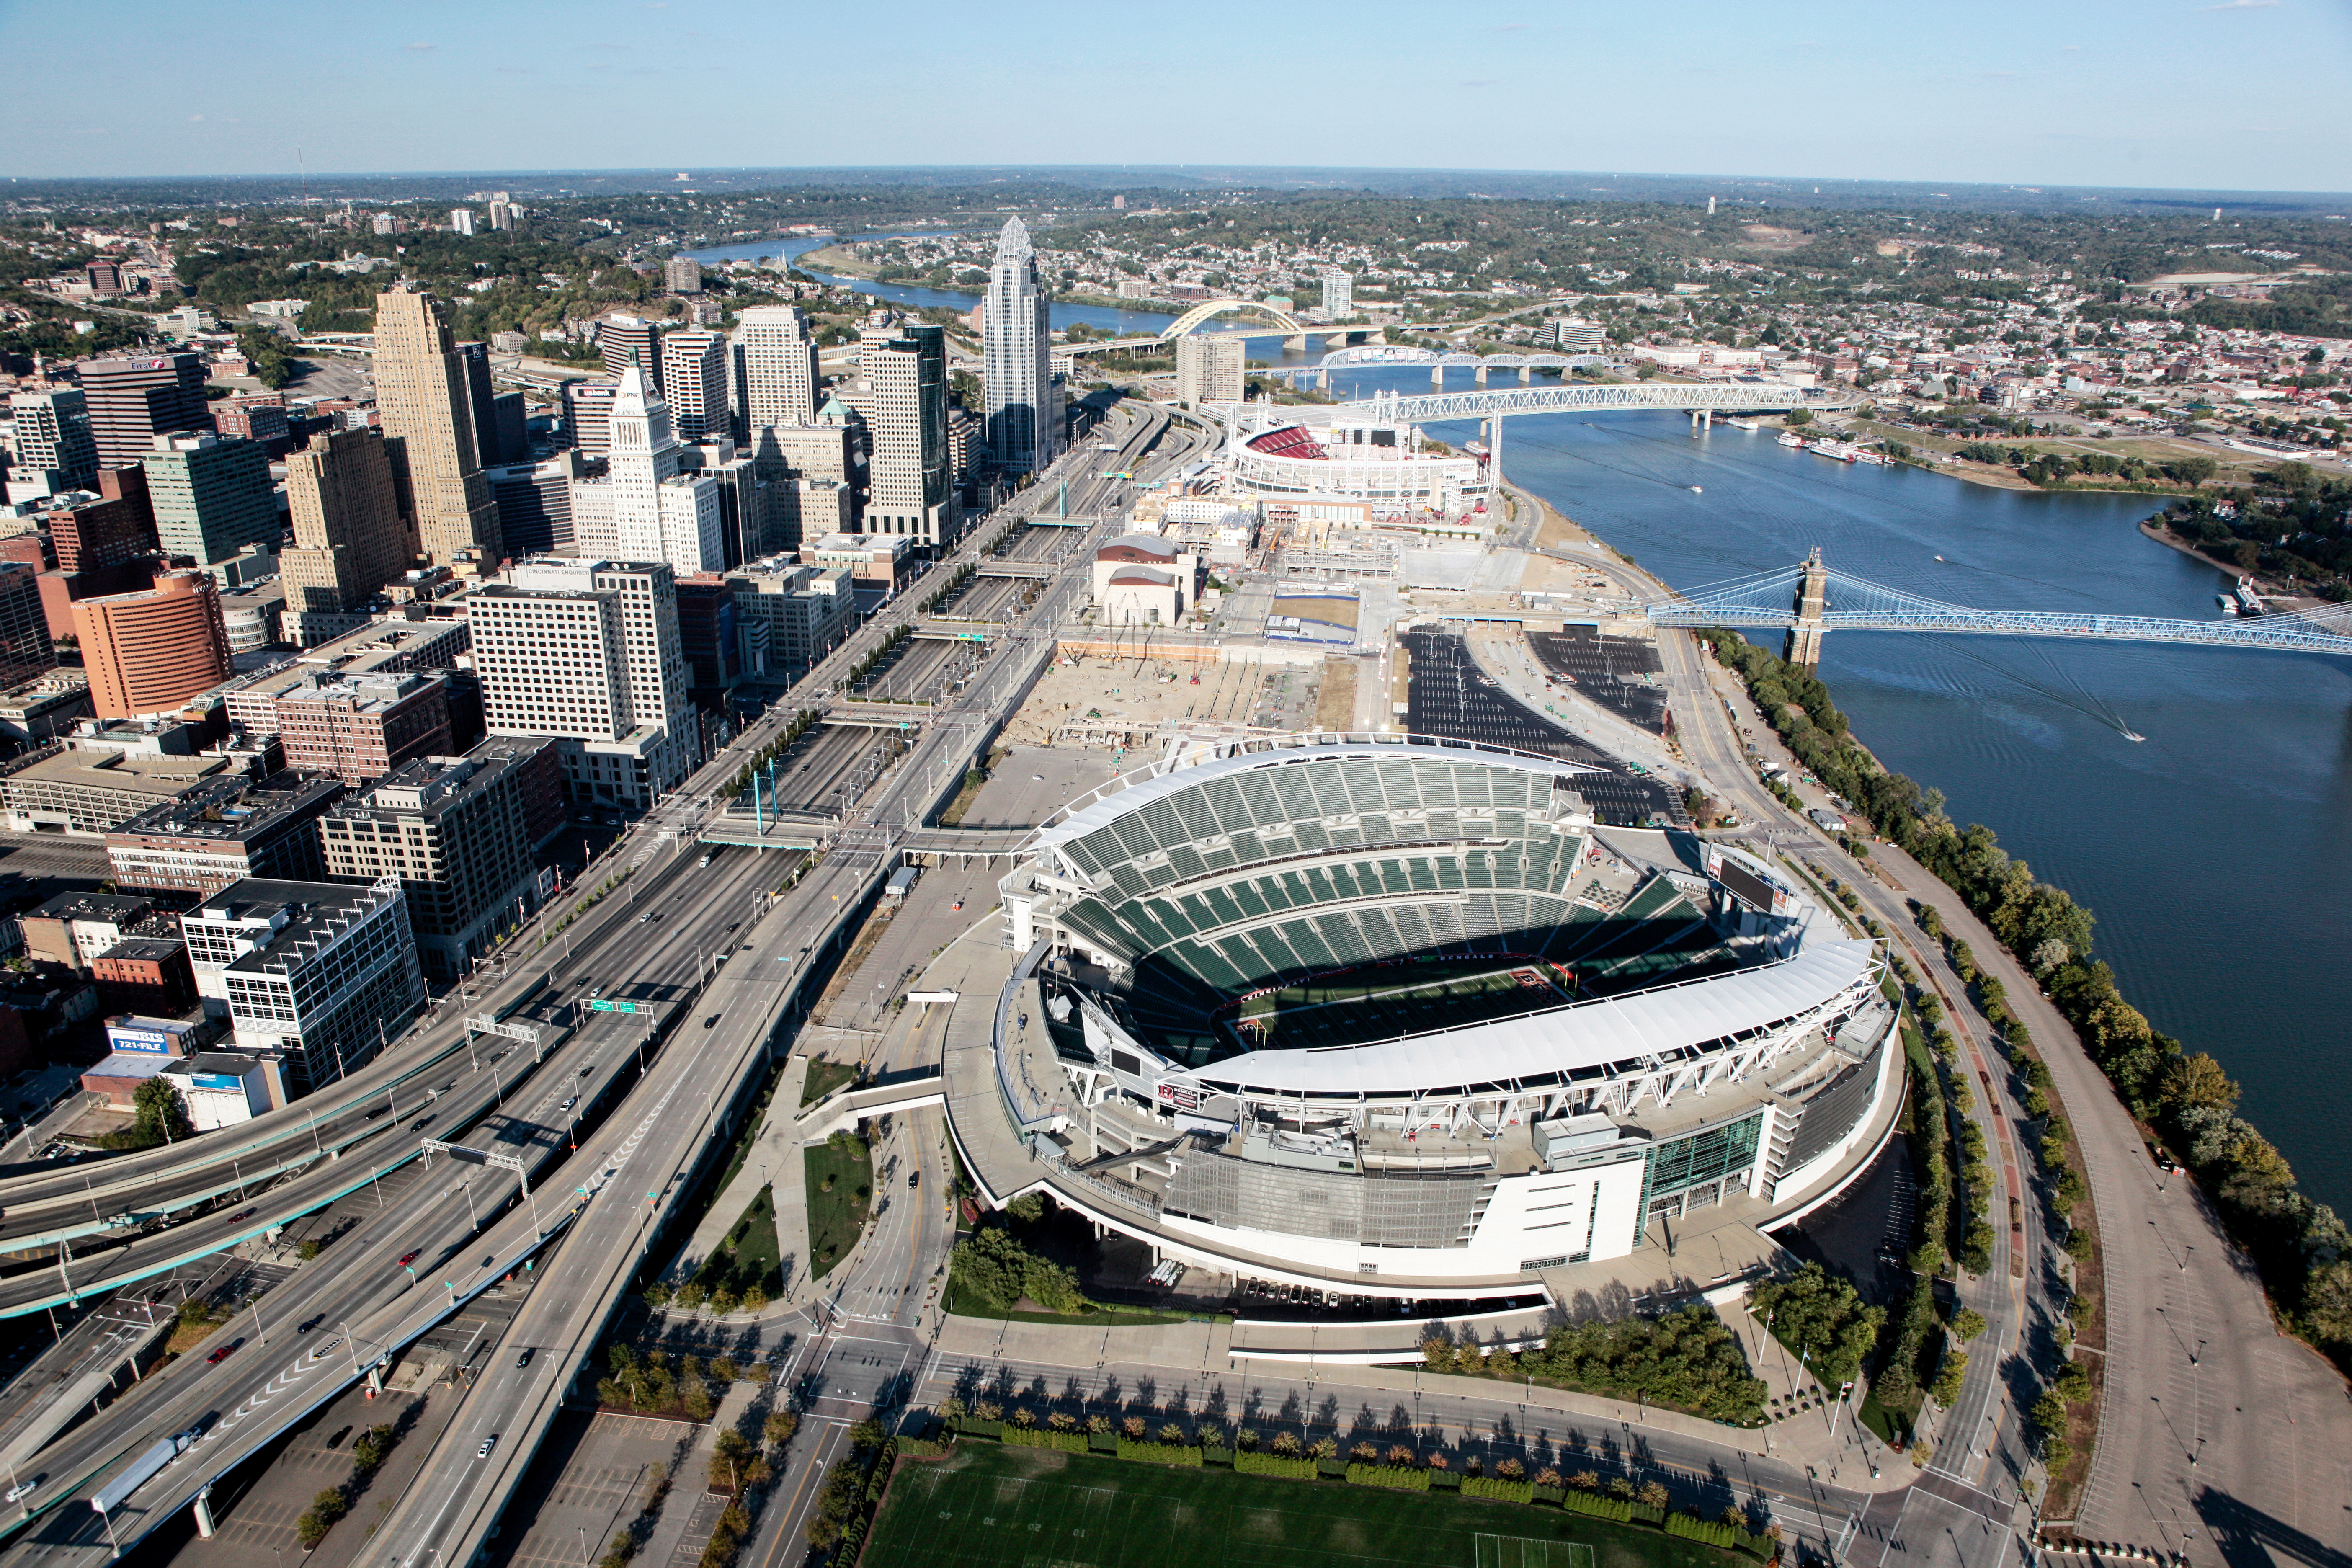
(1811, 599)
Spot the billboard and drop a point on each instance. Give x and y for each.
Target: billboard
(1757, 892)
(220, 1080)
(153, 1041)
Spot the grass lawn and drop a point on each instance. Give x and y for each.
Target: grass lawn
(1009, 1508)
(1104, 1315)
(750, 1256)
(824, 1077)
(836, 1218)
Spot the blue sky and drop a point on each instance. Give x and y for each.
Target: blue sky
(2241, 94)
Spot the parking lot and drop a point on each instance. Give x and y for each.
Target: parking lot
(1449, 695)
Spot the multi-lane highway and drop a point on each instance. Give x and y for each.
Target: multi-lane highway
(359, 1294)
(655, 940)
(457, 1497)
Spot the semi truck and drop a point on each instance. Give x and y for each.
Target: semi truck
(113, 1494)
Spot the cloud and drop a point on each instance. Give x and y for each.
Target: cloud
(195, 120)
(2240, 5)
(1510, 28)
(1482, 82)
(421, 49)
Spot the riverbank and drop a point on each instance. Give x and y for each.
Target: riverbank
(837, 260)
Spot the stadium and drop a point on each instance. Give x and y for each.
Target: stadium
(1396, 1016)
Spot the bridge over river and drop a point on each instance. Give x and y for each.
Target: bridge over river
(1811, 599)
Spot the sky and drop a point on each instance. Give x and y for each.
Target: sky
(2238, 94)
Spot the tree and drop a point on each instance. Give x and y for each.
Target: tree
(161, 1114)
(2197, 1080)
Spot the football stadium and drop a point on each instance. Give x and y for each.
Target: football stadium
(1396, 1016)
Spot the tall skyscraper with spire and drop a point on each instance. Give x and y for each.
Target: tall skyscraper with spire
(1025, 412)
(645, 508)
(420, 386)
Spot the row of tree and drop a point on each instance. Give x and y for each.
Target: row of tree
(2303, 1248)
(1682, 1360)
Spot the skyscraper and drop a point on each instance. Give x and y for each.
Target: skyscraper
(1024, 424)
(461, 221)
(646, 508)
(1208, 369)
(350, 539)
(502, 213)
(1338, 295)
(588, 414)
(147, 653)
(421, 389)
(774, 356)
(26, 649)
(104, 532)
(589, 651)
(693, 384)
(53, 436)
(682, 274)
(905, 370)
(625, 340)
(492, 447)
(211, 497)
(132, 401)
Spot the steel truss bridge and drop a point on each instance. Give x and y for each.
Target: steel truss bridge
(1697, 398)
(1809, 599)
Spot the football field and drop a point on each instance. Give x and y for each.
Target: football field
(988, 1506)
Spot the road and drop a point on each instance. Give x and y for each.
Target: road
(2197, 1382)
(357, 1294)
(659, 1133)
(460, 1492)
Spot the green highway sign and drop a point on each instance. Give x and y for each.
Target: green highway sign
(601, 1006)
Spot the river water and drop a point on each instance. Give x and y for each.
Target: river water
(2216, 852)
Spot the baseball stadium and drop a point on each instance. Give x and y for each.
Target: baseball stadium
(1394, 1016)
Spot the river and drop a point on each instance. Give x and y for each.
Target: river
(2216, 852)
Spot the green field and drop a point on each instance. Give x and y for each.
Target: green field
(1029, 1507)
(840, 1200)
(750, 1256)
(1393, 999)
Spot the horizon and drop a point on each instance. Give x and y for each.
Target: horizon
(2102, 94)
(1287, 178)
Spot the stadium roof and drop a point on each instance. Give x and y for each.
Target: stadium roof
(1554, 1044)
(1159, 786)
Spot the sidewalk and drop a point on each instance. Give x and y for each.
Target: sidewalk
(689, 1513)
(1177, 1352)
(775, 1150)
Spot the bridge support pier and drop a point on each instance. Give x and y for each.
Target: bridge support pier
(1527, 375)
(1479, 376)
(375, 1379)
(1803, 647)
(1437, 376)
(204, 1525)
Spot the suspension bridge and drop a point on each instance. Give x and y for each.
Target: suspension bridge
(1811, 599)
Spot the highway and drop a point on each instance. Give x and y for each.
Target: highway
(357, 1294)
(458, 1495)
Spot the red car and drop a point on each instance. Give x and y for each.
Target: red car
(408, 1258)
(221, 1354)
